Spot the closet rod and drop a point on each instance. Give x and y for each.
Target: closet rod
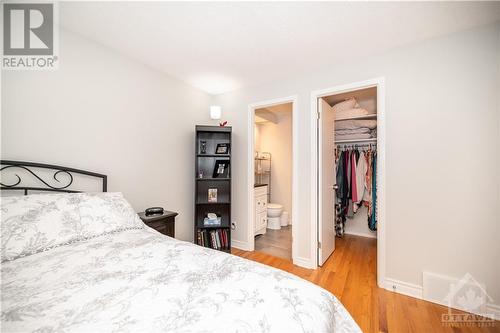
(354, 145)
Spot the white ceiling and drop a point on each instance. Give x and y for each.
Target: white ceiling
(278, 109)
(272, 113)
(223, 46)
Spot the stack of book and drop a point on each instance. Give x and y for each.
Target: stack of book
(215, 239)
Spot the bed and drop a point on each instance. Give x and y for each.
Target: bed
(85, 262)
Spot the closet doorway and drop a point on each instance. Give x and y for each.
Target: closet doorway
(349, 169)
(272, 161)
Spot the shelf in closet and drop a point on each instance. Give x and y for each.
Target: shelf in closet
(356, 140)
(212, 179)
(366, 116)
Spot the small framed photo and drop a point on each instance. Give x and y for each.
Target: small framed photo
(203, 147)
(221, 169)
(212, 195)
(222, 148)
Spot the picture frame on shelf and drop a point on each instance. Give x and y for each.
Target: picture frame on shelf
(203, 147)
(221, 169)
(222, 148)
(212, 195)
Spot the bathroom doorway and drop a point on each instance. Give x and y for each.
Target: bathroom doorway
(271, 164)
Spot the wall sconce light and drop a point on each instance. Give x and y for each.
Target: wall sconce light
(215, 112)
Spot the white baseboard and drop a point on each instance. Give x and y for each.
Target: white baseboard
(241, 245)
(304, 262)
(494, 310)
(361, 234)
(405, 288)
(416, 291)
(299, 261)
(436, 288)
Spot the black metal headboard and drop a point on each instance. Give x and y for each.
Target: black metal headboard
(32, 168)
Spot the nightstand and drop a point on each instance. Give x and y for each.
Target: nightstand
(164, 223)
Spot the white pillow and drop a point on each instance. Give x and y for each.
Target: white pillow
(354, 124)
(356, 112)
(34, 223)
(107, 212)
(348, 104)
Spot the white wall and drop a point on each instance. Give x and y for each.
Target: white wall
(256, 137)
(277, 140)
(103, 112)
(442, 156)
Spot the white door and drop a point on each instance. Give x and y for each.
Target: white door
(327, 180)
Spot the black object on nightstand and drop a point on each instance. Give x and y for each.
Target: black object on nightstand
(164, 223)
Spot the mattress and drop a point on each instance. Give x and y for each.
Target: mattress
(135, 279)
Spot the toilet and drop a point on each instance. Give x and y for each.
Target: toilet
(274, 216)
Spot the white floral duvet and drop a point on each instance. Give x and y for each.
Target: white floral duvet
(86, 263)
(142, 281)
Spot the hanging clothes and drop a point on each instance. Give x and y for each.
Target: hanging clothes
(349, 209)
(361, 176)
(372, 220)
(367, 196)
(356, 182)
(340, 177)
(354, 189)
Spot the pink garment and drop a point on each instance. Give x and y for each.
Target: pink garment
(354, 188)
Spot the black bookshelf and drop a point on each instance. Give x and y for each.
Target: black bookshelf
(213, 186)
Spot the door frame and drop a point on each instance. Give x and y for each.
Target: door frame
(381, 169)
(251, 165)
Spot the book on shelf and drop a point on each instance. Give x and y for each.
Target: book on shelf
(217, 239)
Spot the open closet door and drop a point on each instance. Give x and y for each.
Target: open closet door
(326, 181)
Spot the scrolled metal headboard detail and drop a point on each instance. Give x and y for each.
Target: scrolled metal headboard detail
(45, 185)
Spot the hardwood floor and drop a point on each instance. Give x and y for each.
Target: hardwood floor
(277, 243)
(350, 274)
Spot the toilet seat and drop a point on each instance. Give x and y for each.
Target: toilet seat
(273, 216)
(274, 206)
